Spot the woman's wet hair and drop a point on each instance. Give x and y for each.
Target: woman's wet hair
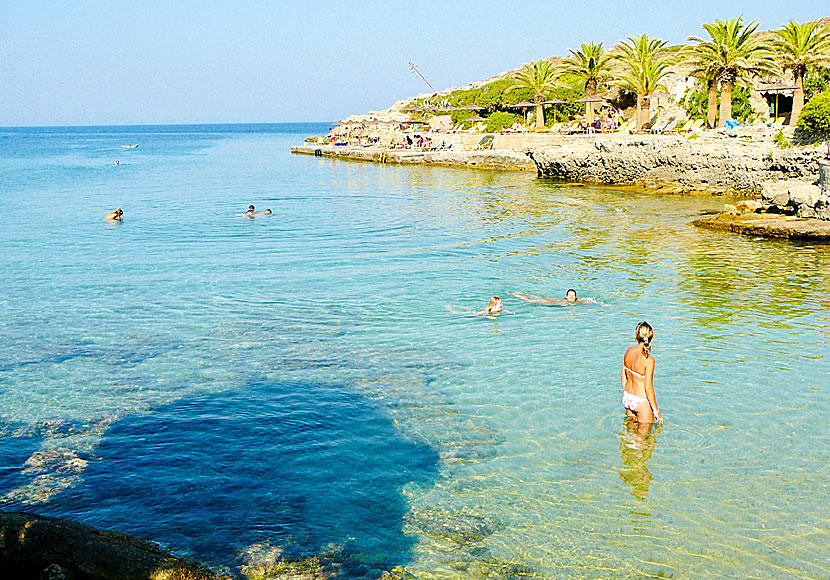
(492, 303)
(250, 207)
(569, 291)
(644, 334)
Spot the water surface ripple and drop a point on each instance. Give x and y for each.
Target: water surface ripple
(315, 383)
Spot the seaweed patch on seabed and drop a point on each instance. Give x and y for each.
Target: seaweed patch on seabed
(57, 453)
(460, 536)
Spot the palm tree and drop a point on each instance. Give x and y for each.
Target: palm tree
(800, 46)
(737, 55)
(591, 64)
(540, 77)
(703, 57)
(644, 64)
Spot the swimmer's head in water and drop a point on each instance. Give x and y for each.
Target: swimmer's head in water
(119, 212)
(644, 335)
(251, 208)
(570, 295)
(267, 211)
(494, 305)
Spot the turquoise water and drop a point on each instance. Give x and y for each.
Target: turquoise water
(315, 383)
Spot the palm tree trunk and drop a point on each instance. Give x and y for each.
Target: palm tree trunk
(725, 102)
(590, 91)
(540, 116)
(798, 96)
(639, 120)
(712, 105)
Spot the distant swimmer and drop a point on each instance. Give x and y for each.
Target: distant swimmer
(114, 216)
(251, 212)
(570, 298)
(637, 377)
(117, 163)
(266, 212)
(494, 307)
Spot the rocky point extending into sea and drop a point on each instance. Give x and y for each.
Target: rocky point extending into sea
(745, 161)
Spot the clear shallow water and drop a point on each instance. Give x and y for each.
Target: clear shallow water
(314, 383)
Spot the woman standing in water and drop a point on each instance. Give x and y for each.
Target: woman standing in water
(637, 378)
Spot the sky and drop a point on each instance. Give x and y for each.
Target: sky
(121, 63)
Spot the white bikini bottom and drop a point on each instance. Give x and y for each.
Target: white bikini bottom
(630, 401)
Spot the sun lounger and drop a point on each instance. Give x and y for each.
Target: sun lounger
(658, 128)
(687, 126)
(485, 143)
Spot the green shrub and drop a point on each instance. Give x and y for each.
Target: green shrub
(815, 116)
(498, 121)
(463, 115)
(780, 141)
(817, 81)
(697, 101)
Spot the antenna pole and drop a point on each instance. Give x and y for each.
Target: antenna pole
(417, 71)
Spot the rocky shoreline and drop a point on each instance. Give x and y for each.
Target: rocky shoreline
(36, 547)
(712, 162)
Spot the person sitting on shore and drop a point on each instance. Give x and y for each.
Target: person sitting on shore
(494, 307)
(637, 378)
(570, 298)
(114, 216)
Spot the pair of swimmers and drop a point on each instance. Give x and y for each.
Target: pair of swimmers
(495, 305)
(114, 216)
(253, 212)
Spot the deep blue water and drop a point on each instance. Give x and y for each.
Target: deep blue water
(315, 383)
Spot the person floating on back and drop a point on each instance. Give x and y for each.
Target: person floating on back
(570, 298)
(637, 377)
(114, 216)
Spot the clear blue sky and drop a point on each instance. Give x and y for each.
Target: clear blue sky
(89, 63)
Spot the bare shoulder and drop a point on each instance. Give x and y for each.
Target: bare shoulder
(650, 362)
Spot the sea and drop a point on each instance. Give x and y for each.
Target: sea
(315, 389)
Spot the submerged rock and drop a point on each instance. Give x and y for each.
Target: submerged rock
(36, 547)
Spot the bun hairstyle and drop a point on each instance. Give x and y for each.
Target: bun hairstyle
(644, 334)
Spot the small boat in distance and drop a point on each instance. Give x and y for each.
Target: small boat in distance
(133, 146)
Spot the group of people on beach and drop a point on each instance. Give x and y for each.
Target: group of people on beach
(637, 374)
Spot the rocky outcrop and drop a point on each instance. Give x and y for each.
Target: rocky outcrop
(501, 159)
(802, 198)
(769, 225)
(35, 547)
(716, 163)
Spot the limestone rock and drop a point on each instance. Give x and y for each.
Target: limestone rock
(776, 193)
(748, 206)
(33, 546)
(802, 193)
(730, 209)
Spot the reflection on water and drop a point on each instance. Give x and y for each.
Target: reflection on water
(637, 443)
(457, 446)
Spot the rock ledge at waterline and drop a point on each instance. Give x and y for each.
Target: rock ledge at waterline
(36, 547)
(713, 162)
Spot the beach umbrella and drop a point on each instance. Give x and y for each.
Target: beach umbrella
(524, 105)
(589, 101)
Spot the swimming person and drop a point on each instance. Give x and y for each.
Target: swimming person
(570, 298)
(251, 212)
(494, 306)
(114, 216)
(637, 377)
